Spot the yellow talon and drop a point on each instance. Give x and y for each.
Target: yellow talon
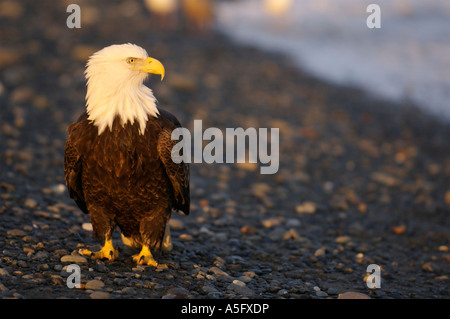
(145, 258)
(107, 252)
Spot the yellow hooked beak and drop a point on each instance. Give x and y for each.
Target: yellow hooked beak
(154, 66)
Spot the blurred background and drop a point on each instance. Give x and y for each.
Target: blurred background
(408, 58)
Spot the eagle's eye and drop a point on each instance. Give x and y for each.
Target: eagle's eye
(131, 60)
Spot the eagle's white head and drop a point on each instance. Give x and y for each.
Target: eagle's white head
(115, 88)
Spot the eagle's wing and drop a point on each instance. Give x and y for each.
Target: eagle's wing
(178, 173)
(73, 170)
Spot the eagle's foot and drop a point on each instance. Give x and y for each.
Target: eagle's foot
(107, 252)
(167, 240)
(145, 258)
(101, 254)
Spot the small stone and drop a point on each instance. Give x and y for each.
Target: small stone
(343, 239)
(239, 283)
(100, 295)
(207, 289)
(43, 267)
(3, 272)
(205, 230)
(248, 230)
(321, 293)
(306, 208)
(428, 267)
(282, 292)
(87, 226)
(332, 291)
(399, 230)
(176, 224)
(58, 280)
(31, 203)
(352, 295)
(94, 284)
(41, 213)
(3, 288)
(8, 187)
(53, 208)
(129, 291)
(245, 279)
(211, 277)
(443, 248)
(60, 252)
(385, 178)
(38, 246)
(271, 222)
(320, 252)
(328, 186)
(203, 202)
(442, 278)
(11, 9)
(200, 275)
(16, 232)
(219, 272)
(291, 234)
(22, 94)
(178, 292)
(138, 268)
(362, 208)
(8, 56)
(260, 189)
(101, 267)
(73, 259)
(41, 255)
(245, 291)
(186, 237)
(41, 102)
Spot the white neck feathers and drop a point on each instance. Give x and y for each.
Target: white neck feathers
(129, 103)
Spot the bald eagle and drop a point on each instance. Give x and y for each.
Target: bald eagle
(118, 165)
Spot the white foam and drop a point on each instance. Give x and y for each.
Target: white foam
(408, 58)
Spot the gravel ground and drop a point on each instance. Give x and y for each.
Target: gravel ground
(361, 181)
